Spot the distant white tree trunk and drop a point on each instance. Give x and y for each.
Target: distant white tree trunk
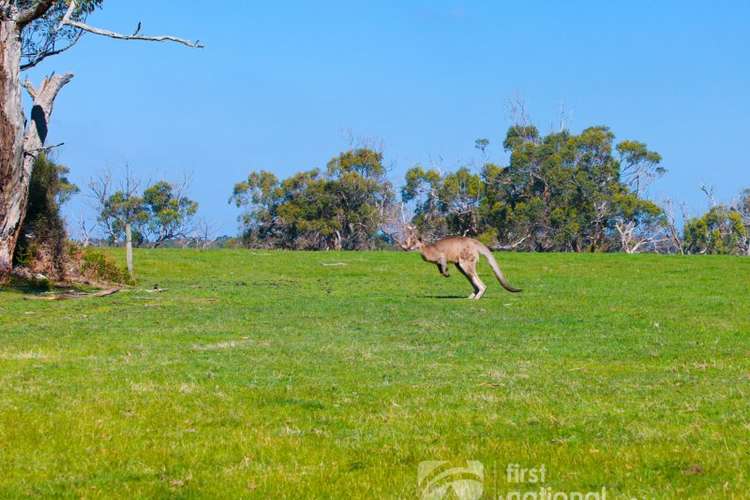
(674, 233)
(84, 229)
(129, 248)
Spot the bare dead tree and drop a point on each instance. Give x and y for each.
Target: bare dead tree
(742, 206)
(204, 233)
(84, 230)
(634, 239)
(355, 141)
(20, 142)
(517, 113)
(396, 222)
(672, 227)
(100, 189)
(710, 192)
(601, 211)
(566, 117)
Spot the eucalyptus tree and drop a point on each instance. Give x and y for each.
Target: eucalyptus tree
(170, 211)
(344, 208)
(444, 203)
(30, 32)
(559, 192)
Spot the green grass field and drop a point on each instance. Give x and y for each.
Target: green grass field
(333, 375)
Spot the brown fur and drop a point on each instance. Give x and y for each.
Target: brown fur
(464, 253)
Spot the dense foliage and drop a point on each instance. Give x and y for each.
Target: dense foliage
(343, 208)
(45, 36)
(43, 232)
(161, 213)
(721, 230)
(560, 192)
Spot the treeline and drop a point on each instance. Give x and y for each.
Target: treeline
(346, 207)
(559, 192)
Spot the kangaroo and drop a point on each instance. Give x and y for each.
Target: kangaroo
(464, 253)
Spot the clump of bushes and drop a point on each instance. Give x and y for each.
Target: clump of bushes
(41, 245)
(97, 266)
(43, 251)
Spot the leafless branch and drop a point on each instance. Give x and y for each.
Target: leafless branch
(44, 99)
(512, 246)
(709, 192)
(517, 113)
(119, 36)
(672, 229)
(84, 230)
(69, 21)
(46, 149)
(30, 89)
(44, 55)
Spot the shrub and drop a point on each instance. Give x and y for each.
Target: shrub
(42, 241)
(97, 266)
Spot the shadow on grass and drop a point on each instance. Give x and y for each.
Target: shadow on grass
(36, 287)
(446, 297)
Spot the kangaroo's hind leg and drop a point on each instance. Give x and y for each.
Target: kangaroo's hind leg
(468, 277)
(469, 266)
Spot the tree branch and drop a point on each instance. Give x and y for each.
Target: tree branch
(67, 16)
(512, 246)
(37, 10)
(69, 21)
(44, 98)
(45, 150)
(44, 55)
(119, 36)
(30, 89)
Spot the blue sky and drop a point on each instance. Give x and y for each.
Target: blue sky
(282, 85)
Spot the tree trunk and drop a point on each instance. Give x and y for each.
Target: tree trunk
(129, 249)
(14, 182)
(18, 147)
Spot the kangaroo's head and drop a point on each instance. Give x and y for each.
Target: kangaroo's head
(411, 239)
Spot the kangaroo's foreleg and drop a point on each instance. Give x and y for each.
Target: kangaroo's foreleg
(443, 267)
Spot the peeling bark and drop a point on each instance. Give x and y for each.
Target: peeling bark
(13, 182)
(18, 150)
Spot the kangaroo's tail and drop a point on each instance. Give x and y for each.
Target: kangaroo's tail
(493, 264)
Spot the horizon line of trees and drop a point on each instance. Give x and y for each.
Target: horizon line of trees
(561, 192)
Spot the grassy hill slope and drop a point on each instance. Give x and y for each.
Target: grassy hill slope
(284, 374)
